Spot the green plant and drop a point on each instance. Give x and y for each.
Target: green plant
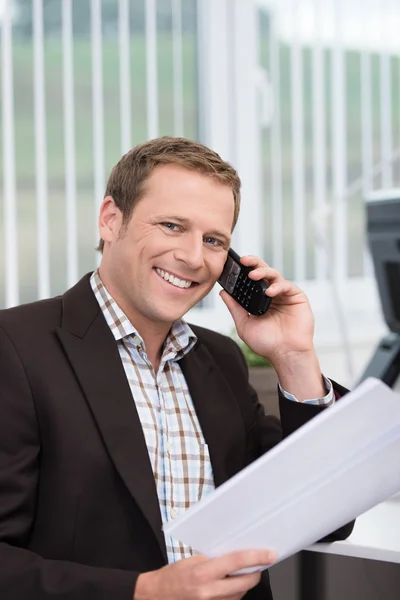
(252, 359)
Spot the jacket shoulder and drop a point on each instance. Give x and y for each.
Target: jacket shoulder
(43, 316)
(211, 337)
(222, 347)
(32, 317)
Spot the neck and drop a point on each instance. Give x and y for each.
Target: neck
(153, 339)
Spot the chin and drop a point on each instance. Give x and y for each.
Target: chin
(162, 315)
(171, 311)
(171, 316)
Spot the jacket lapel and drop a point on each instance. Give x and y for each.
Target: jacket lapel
(93, 354)
(94, 357)
(218, 412)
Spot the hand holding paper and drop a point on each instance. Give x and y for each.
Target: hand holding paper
(191, 578)
(337, 466)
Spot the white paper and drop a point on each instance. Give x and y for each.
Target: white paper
(338, 465)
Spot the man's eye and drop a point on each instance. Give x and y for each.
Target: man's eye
(213, 241)
(171, 226)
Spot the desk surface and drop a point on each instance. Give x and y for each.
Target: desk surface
(376, 535)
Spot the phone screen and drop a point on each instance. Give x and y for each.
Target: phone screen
(229, 275)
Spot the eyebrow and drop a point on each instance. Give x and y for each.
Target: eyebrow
(212, 232)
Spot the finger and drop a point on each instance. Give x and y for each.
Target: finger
(239, 314)
(283, 287)
(236, 586)
(265, 272)
(236, 561)
(253, 261)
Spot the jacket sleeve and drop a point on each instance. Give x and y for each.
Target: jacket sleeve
(24, 574)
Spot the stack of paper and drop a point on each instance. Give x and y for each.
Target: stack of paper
(340, 464)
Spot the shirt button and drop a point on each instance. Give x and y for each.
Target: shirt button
(173, 513)
(136, 340)
(168, 446)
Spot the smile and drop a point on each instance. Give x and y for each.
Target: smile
(180, 283)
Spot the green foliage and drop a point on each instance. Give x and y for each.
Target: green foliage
(252, 359)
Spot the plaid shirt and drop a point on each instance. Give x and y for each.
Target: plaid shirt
(177, 450)
(178, 453)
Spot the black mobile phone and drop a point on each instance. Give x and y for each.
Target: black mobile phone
(248, 293)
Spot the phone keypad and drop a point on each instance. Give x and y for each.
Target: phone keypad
(244, 290)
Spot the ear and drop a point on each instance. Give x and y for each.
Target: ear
(110, 219)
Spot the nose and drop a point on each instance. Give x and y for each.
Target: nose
(191, 251)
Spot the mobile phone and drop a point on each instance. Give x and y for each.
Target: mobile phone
(248, 293)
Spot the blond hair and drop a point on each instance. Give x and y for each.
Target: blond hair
(126, 181)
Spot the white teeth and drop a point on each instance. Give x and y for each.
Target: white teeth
(174, 280)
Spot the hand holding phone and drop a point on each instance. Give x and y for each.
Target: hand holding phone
(248, 293)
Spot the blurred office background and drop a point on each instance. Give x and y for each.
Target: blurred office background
(303, 97)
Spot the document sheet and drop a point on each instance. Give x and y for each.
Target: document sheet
(337, 466)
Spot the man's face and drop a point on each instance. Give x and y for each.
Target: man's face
(174, 247)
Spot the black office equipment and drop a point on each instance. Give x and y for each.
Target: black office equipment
(383, 231)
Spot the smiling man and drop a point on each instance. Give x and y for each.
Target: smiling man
(165, 255)
(116, 415)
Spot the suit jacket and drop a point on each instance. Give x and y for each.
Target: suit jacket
(79, 514)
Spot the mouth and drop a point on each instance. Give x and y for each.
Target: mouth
(174, 280)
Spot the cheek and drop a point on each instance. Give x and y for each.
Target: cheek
(215, 265)
(218, 264)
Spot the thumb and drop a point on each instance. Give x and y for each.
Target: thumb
(238, 312)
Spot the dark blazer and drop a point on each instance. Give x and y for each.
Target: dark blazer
(79, 515)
